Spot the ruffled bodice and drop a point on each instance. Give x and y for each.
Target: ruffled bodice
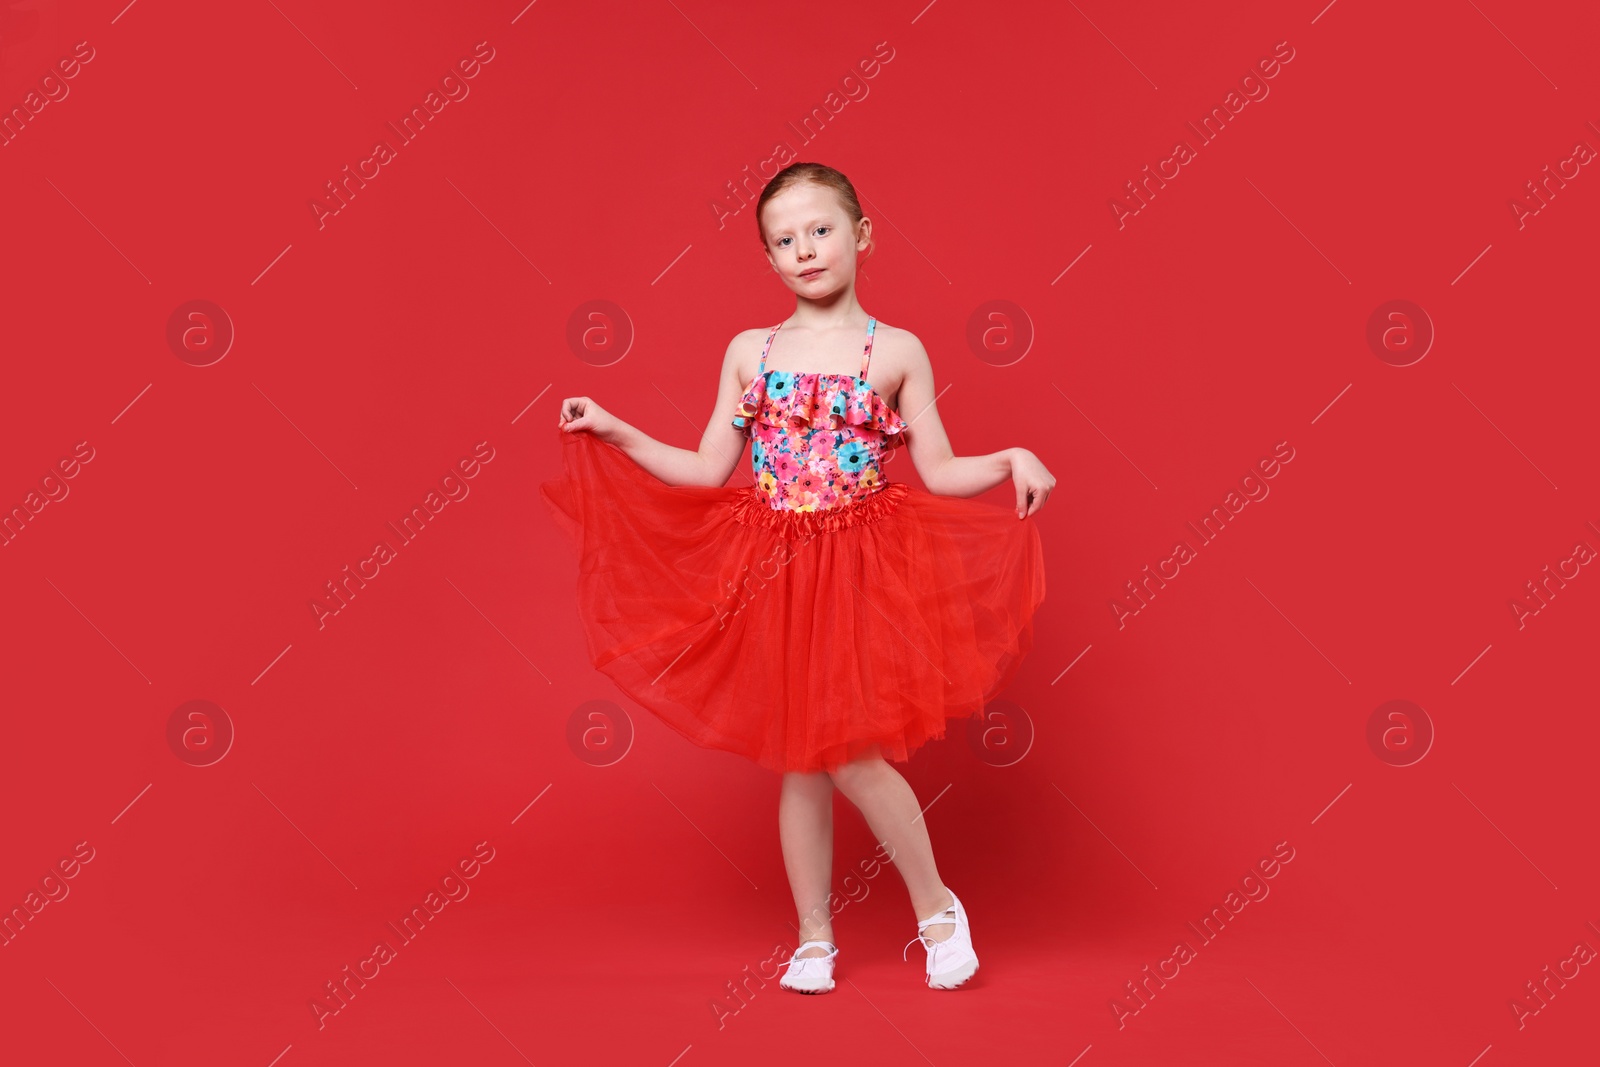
(817, 440)
(780, 398)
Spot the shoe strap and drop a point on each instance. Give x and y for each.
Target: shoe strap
(833, 950)
(927, 942)
(933, 920)
(949, 916)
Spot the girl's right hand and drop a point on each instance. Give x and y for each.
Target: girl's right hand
(581, 413)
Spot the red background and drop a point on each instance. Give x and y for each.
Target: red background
(376, 348)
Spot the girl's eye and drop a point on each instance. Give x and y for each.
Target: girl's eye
(820, 229)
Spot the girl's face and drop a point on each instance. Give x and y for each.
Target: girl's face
(810, 242)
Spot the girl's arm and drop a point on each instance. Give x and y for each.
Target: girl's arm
(948, 474)
(721, 444)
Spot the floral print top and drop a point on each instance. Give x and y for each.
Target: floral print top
(817, 440)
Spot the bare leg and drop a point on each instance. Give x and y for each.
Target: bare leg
(805, 828)
(890, 807)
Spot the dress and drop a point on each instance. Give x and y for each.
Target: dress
(803, 619)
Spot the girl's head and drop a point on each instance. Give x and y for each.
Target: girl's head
(810, 221)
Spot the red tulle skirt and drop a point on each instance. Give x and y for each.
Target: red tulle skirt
(798, 640)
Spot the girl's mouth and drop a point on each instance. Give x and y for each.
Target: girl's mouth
(812, 273)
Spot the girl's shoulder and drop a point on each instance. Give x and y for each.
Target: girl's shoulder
(894, 335)
(754, 337)
(754, 333)
(744, 354)
(897, 354)
(899, 349)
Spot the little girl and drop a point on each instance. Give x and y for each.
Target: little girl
(826, 619)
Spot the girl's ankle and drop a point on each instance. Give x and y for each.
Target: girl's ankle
(817, 950)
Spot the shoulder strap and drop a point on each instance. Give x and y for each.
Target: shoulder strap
(866, 357)
(763, 368)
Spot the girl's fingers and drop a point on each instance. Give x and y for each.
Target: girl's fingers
(1037, 498)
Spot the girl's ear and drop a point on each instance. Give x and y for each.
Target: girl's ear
(864, 233)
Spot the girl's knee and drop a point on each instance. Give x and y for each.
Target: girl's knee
(865, 768)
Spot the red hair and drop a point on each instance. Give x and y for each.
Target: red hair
(817, 174)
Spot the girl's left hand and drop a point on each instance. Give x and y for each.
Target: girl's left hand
(1033, 482)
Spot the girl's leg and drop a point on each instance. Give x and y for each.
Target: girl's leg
(805, 828)
(890, 807)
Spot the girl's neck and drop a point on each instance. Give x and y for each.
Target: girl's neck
(842, 312)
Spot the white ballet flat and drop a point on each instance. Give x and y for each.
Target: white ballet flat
(810, 974)
(951, 961)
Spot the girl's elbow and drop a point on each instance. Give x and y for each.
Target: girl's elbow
(936, 476)
(715, 472)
